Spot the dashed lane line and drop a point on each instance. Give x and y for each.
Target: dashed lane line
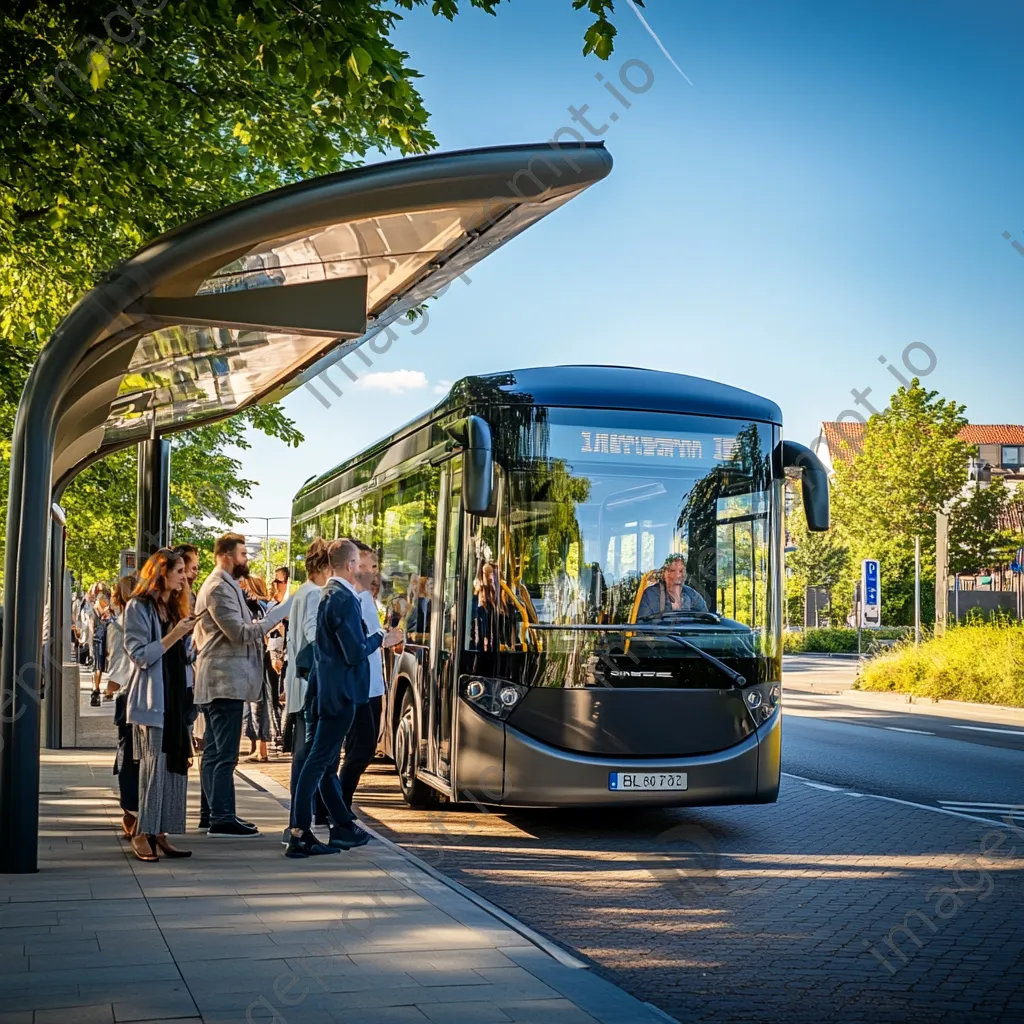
(986, 728)
(918, 732)
(907, 803)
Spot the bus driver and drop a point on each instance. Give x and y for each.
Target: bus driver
(670, 593)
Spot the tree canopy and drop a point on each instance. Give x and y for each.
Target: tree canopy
(122, 122)
(912, 462)
(980, 536)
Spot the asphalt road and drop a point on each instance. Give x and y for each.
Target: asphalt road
(970, 766)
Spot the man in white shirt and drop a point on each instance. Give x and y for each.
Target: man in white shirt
(361, 741)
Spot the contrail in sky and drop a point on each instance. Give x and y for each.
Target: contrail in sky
(654, 36)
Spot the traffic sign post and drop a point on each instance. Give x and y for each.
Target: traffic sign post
(870, 594)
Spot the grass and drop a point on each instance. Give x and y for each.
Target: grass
(981, 662)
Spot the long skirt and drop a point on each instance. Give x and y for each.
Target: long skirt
(161, 793)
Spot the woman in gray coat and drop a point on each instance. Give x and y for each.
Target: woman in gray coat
(159, 707)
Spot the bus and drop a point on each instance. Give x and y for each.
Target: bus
(587, 563)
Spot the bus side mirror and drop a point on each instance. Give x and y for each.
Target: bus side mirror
(473, 434)
(814, 482)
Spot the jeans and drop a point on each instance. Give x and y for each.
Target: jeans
(323, 755)
(360, 746)
(220, 756)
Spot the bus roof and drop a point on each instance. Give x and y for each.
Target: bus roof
(586, 387)
(617, 387)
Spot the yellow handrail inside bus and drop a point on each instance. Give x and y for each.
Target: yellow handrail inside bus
(645, 582)
(524, 614)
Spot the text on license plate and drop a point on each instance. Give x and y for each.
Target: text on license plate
(651, 781)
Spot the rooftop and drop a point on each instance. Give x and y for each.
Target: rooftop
(842, 436)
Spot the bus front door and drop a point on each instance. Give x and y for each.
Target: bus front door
(444, 628)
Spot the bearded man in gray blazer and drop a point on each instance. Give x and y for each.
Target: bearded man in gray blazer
(229, 673)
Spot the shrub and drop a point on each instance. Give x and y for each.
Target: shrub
(981, 662)
(837, 641)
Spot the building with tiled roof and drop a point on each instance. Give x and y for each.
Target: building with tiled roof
(1001, 445)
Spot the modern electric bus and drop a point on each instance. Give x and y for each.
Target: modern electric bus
(524, 526)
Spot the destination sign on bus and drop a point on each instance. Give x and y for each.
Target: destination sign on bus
(648, 446)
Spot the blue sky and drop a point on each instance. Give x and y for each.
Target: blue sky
(833, 187)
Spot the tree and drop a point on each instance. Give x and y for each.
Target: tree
(911, 463)
(979, 537)
(820, 559)
(121, 124)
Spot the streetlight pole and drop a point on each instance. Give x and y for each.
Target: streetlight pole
(917, 591)
(267, 520)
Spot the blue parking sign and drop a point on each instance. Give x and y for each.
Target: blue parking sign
(871, 599)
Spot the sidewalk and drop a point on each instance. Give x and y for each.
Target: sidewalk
(239, 933)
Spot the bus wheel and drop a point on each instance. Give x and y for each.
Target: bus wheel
(406, 748)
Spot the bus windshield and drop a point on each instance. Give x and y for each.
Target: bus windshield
(617, 517)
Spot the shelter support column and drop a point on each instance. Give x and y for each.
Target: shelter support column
(53, 641)
(153, 527)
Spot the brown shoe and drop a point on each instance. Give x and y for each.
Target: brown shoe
(128, 821)
(144, 847)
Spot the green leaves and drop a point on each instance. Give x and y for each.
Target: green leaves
(911, 463)
(359, 61)
(99, 70)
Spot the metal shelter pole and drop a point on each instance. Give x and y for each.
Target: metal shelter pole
(55, 639)
(153, 496)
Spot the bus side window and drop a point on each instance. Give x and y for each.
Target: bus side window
(408, 523)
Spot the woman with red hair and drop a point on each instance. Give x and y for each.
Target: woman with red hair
(159, 707)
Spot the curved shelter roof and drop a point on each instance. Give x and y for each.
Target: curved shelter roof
(237, 308)
(246, 304)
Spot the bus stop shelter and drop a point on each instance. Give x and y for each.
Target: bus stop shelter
(235, 309)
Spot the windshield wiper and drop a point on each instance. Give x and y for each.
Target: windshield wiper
(738, 678)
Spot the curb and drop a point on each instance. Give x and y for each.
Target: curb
(945, 708)
(271, 787)
(609, 1003)
(819, 654)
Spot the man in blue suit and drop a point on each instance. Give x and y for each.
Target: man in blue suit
(342, 683)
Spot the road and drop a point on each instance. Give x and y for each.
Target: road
(973, 767)
(777, 913)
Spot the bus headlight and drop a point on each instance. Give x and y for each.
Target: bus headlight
(761, 700)
(495, 697)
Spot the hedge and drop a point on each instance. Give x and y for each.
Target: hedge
(982, 662)
(837, 641)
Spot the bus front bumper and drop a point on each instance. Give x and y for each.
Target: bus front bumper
(538, 775)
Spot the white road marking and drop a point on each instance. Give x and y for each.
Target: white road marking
(907, 803)
(985, 728)
(919, 732)
(981, 805)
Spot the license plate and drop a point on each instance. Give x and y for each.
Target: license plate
(648, 781)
